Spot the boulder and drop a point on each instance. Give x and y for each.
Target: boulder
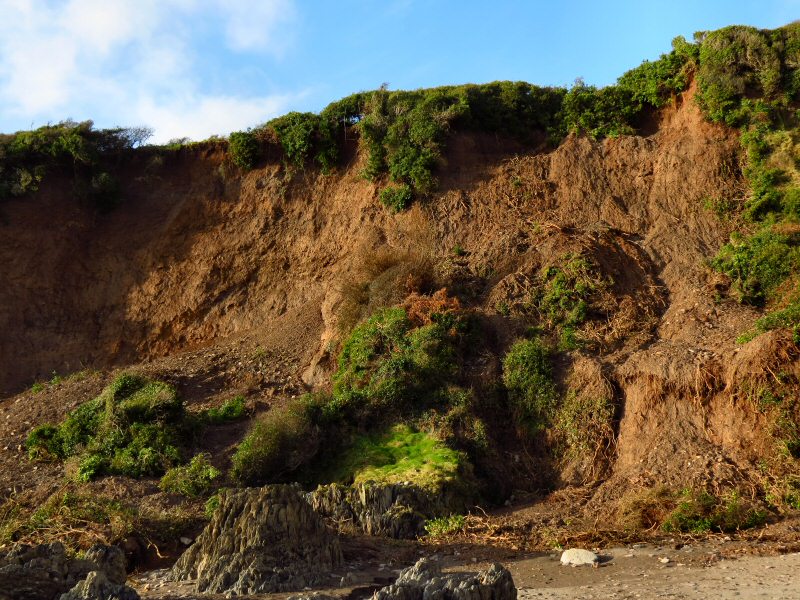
(425, 581)
(261, 540)
(577, 557)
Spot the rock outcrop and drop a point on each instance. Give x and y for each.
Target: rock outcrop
(397, 510)
(261, 540)
(98, 586)
(425, 581)
(45, 572)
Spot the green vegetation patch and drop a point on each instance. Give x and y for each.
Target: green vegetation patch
(701, 512)
(397, 455)
(566, 296)
(444, 526)
(528, 377)
(192, 480)
(87, 154)
(398, 365)
(231, 410)
(135, 427)
(583, 422)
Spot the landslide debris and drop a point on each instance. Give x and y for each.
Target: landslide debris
(554, 301)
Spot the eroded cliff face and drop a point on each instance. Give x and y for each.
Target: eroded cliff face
(199, 254)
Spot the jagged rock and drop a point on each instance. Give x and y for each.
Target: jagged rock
(397, 510)
(425, 581)
(97, 586)
(578, 556)
(44, 572)
(110, 560)
(261, 540)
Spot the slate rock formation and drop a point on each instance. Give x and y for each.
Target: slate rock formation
(396, 510)
(425, 581)
(261, 540)
(44, 572)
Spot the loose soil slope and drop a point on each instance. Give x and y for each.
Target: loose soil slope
(204, 275)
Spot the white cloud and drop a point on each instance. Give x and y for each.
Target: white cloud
(126, 62)
(257, 25)
(199, 118)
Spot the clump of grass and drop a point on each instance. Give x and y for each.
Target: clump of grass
(192, 480)
(231, 410)
(397, 198)
(135, 427)
(279, 442)
(701, 512)
(444, 526)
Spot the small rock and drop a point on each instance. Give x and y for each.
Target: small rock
(578, 556)
(186, 541)
(663, 560)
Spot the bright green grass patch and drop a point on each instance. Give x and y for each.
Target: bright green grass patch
(400, 454)
(443, 526)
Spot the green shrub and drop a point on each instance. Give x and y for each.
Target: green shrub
(654, 83)
(192, 480)
(701, 512)
(26, 156)
(397, 198)
(135, 427)
(444, 526)
(278, 443)
(757, 264)
(603, 112)
(245, 151)
(388, 369)
(528, 377)
(231, 410)
(387, 365)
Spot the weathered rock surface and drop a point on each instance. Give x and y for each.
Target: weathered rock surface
(45, 572)
(578, 557)
(425, 581)
(394, 510)
(261, 540)
(98, 586)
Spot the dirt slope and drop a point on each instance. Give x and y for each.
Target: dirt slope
(202, 273)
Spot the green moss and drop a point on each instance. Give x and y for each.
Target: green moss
(397, 455)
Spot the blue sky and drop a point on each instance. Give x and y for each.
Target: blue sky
(200, 67)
